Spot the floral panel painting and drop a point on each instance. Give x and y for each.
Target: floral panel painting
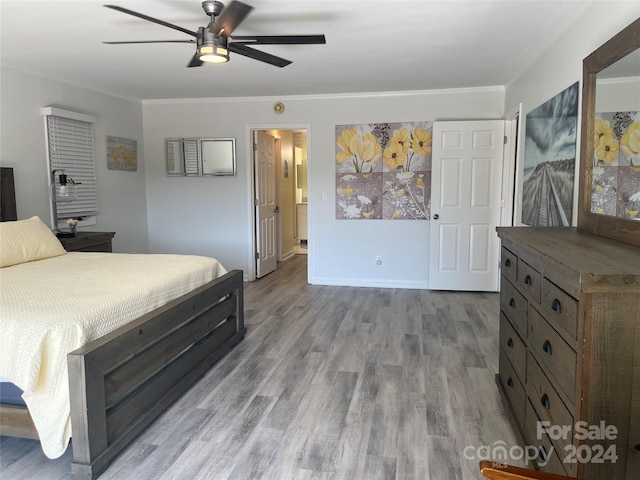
(122, 154)
(616, 173)
(383, 171)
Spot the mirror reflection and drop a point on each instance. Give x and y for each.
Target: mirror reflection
(218, 156)
(616, 140)
(200, 156)
(174, 157)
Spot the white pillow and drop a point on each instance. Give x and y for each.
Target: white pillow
(27, 240)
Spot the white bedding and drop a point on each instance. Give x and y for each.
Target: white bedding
(53, 306)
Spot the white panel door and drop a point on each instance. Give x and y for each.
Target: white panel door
(466, 182)
(265, 202)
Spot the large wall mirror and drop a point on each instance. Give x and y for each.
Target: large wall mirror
(609, 195)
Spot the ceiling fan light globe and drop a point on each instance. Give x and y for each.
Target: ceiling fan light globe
(213, 54)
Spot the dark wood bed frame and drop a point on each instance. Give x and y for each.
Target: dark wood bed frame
(120, 383)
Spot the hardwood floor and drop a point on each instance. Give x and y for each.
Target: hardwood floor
(330, 383)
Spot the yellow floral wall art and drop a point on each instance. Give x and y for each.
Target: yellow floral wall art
(383, 171)
(122, 154)
(616, 170)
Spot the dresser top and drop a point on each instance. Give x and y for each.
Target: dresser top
(578, 255)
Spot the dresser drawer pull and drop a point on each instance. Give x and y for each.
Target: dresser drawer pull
(510, 342)
(544, 400)
(556, 306)
(546, 347)
(542, 453)
(527, 279)
(512, 303)
(510, 382)
(507, 263)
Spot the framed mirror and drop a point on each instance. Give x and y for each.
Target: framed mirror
(181, 157)
(609, 182)
(173, 156)
(200, 157)
(218, 156)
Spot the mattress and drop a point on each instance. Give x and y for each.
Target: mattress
(10, 394)
(51, 307)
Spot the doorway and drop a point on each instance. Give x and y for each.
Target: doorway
(512, 174)
(283, 175)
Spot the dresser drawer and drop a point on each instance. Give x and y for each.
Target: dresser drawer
(549, 458)
(512, 386)
(559, 308)
(529, 281)
(554, 353)
(509, 264)
(546, 401)
(514, 306)
(513, 346)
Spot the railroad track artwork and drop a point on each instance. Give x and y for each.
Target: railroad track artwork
(548, 195)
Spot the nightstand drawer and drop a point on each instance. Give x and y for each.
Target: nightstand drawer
(512, 386)
(559, 308)
(546, 401)
(88, 242)
(514, 306)
(509, 264)
(513, 346)
(555, 354)
(529, 281)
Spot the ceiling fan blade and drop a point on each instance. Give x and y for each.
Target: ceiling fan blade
(150, 41)
(258, 55)
(280, 39)
(151, 19)
(232, 15)
(195, 61)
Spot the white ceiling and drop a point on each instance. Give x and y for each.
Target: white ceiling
(372, 46)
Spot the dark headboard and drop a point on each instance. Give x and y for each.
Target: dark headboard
(8, 210)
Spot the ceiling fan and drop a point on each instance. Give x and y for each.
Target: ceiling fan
(214, 42)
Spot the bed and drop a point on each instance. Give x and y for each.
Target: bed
(121, 374)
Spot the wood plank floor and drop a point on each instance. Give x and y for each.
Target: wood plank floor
(330, 383)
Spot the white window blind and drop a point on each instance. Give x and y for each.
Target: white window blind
(70, 146)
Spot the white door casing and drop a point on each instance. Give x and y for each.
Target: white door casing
(466, 186)
(265, 202)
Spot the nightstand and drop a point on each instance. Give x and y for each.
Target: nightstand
(88, 242)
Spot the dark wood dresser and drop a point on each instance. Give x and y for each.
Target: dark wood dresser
(570, 349)
(88, 242)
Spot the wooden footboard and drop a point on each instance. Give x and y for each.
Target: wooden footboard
(121, 382)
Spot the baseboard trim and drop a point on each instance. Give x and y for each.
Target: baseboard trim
(360, 282)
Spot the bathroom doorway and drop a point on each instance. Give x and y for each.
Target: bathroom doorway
(290, 183)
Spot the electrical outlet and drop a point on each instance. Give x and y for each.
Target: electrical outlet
(378, 260)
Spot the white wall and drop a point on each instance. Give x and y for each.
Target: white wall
(213, 216)
(561, 65)
(618, 95)
(121, 194)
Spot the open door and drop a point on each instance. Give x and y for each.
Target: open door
(265, 202)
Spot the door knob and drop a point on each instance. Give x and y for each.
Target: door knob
(276, 210)
(436, 216)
